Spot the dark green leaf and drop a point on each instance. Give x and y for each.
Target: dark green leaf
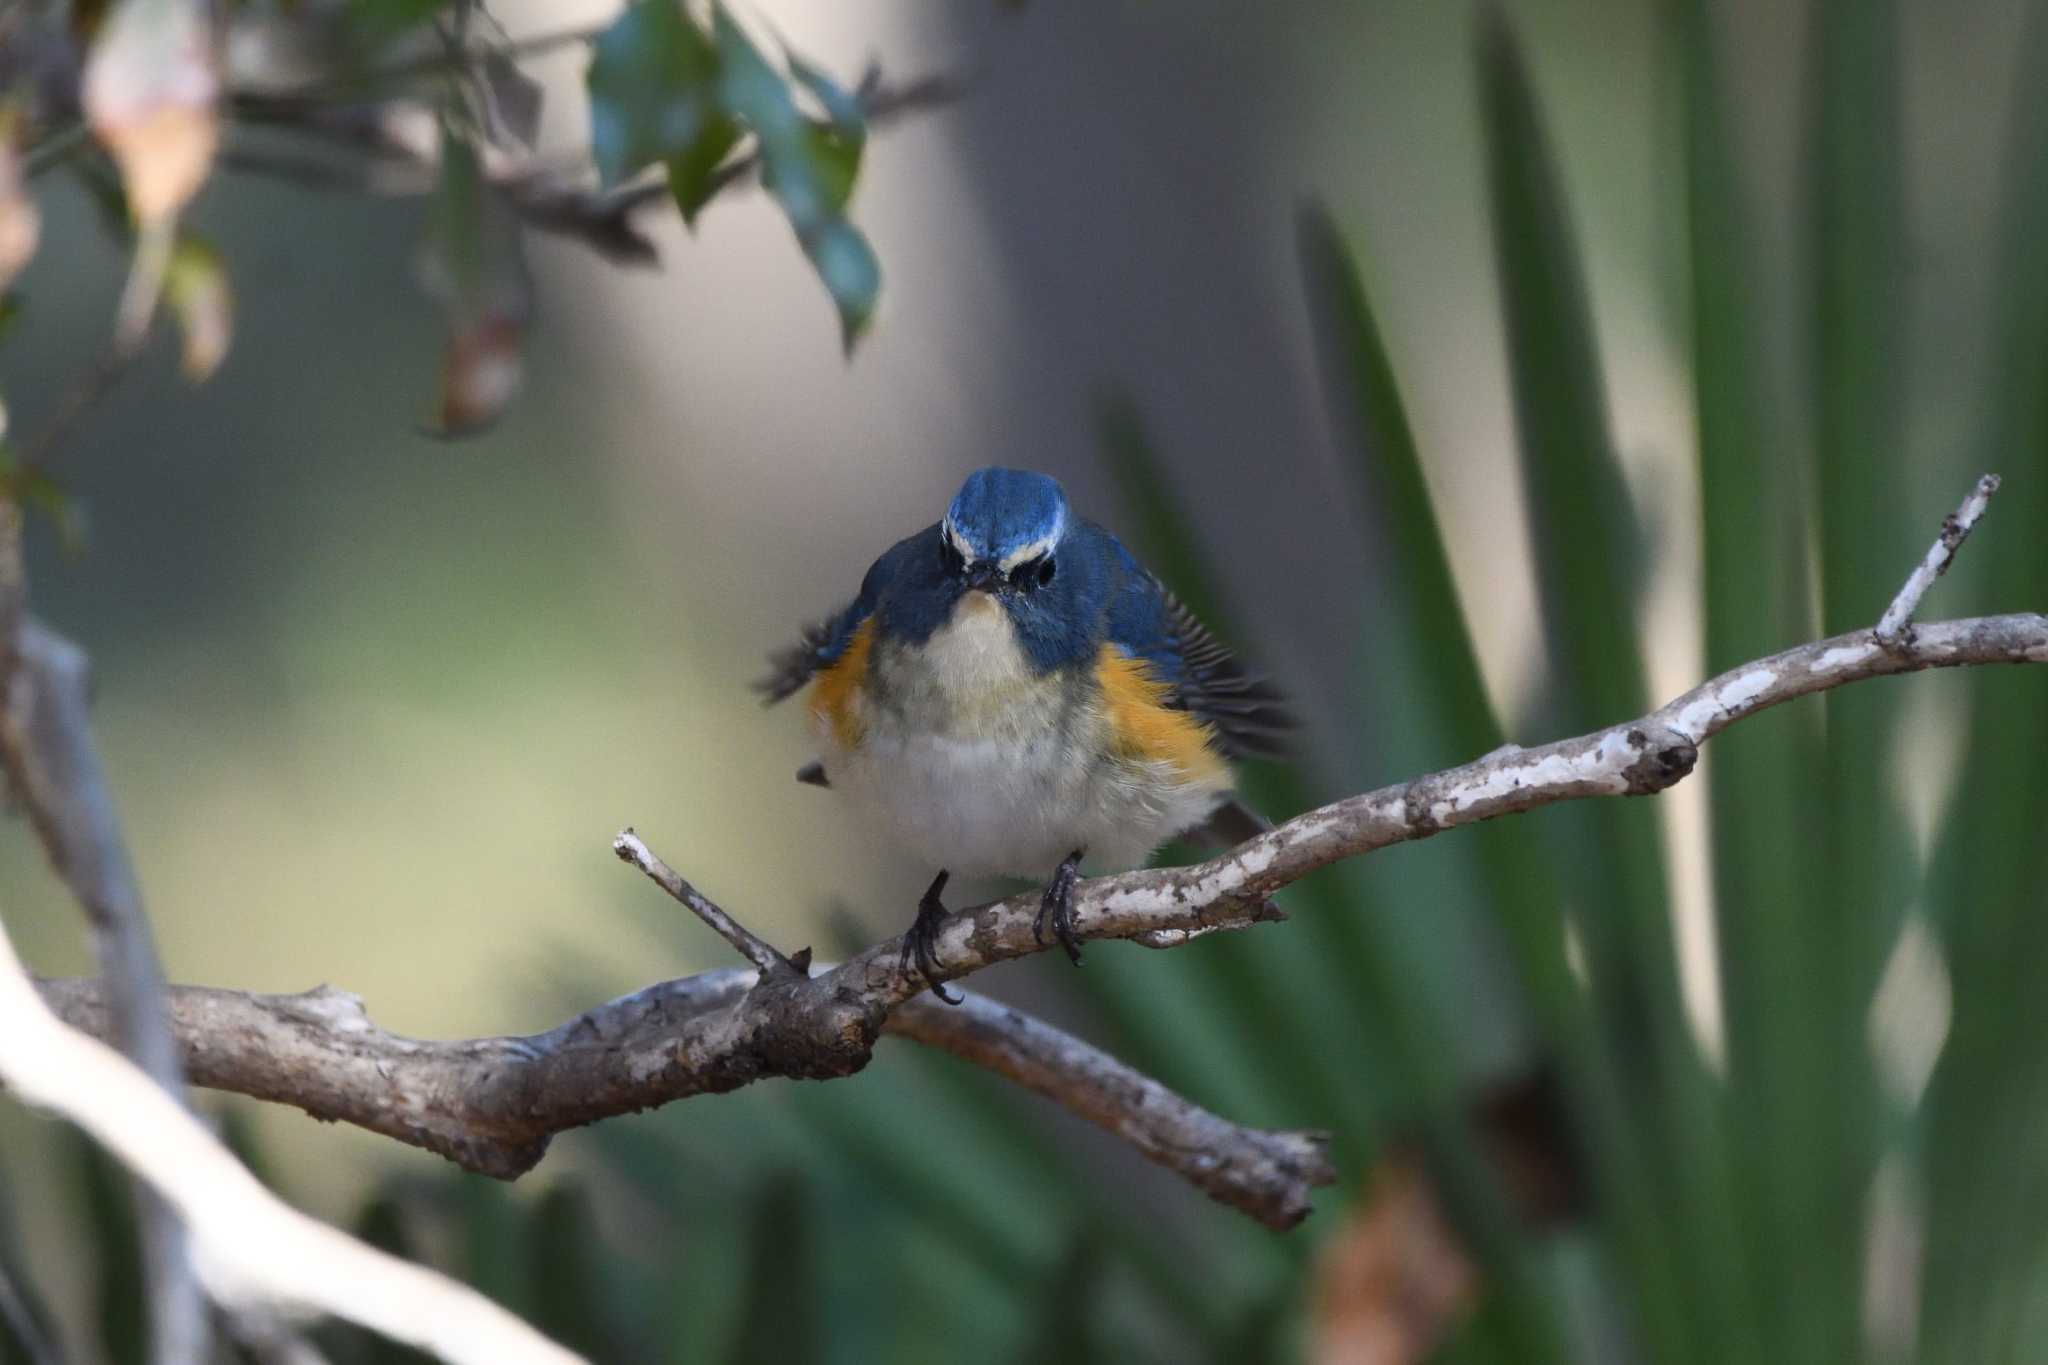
(835, 158)
(375, 23)
(693, 173)
(651, 82)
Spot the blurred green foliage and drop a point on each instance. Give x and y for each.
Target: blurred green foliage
(1732, 1208)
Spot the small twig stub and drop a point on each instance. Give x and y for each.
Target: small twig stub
(632, 849)
(1895, 627)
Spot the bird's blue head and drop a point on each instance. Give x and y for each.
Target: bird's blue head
(1004, 528)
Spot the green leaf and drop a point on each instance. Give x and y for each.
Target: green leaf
(842, 106)
(835, 158)
(651, 80)
(693, 174)
(810, 176)
(377, 23)
(200, 296)
(851, 275)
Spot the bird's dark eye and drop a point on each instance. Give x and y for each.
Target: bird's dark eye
(950, 559)
(1032, 573)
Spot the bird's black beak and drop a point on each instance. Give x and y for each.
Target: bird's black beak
(984, 576)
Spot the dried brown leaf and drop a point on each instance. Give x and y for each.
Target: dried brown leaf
(1393, 1282)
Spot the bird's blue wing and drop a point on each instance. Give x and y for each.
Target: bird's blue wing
(822, 643)
(1147, 621)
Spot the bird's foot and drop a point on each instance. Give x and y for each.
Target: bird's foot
(1056, 907)
(921, 943)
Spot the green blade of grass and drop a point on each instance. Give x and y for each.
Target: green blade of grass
(1588, 562)
(1855, 258)
(1425, 687)
(1284, 989)
(1987, 1108)
(1759, 777)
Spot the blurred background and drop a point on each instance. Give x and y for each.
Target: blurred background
(374, 704)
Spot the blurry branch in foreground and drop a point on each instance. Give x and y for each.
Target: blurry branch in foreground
(427, 101)
(53, 772)
(492, 1104)
(253, 1251)
(401, 141)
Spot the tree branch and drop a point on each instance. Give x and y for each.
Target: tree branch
(255, 1249)
(53, 769)
(491, 1104)
(1262, 1172)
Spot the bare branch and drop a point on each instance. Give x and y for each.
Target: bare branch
(1897, 622)
(492, 1104)
(1267, 1174)
(54, 770)
(253, 1247)
(546, 194)
(758, 951)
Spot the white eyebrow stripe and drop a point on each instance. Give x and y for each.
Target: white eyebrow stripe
(1043, 545)
(956, 540)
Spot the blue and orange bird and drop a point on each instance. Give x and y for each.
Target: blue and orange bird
(1011, 692)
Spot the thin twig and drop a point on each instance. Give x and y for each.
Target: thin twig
(253, 1245)
(85, 392)
(444, 62)
(1896, 624)
(631, 849)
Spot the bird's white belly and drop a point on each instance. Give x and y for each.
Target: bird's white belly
(974, 764)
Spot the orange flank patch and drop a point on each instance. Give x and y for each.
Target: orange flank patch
(1143, 727)
(837, 685)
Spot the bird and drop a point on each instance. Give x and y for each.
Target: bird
(1011, 691)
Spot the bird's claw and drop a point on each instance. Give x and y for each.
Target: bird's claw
(921, 943)
(1056, 908)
